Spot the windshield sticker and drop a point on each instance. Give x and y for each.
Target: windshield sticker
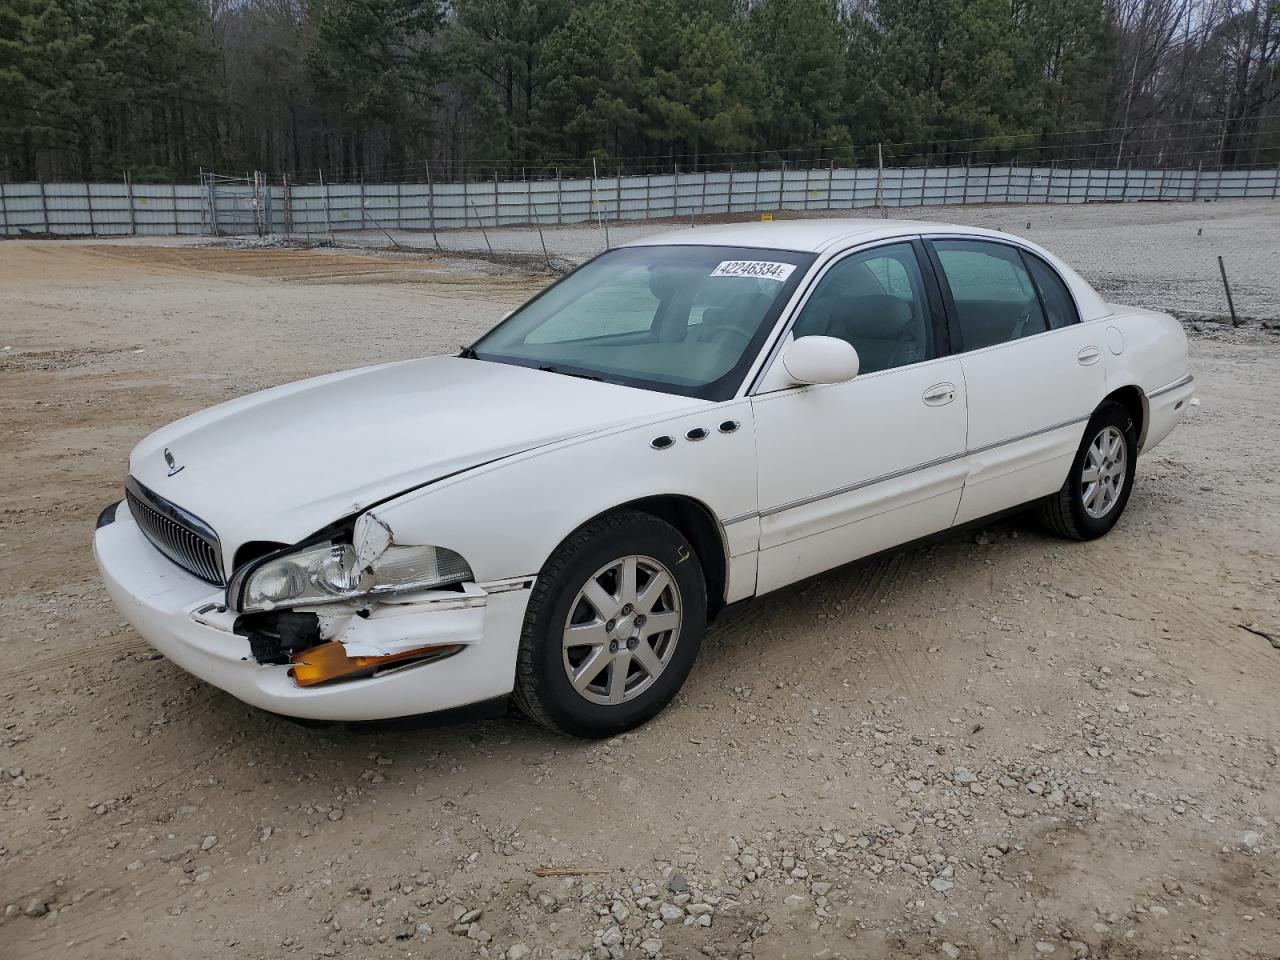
(764, 269)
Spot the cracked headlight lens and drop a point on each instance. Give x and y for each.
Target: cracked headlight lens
(332, 571)
(315, 575)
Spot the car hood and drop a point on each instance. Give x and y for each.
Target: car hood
(281, 464)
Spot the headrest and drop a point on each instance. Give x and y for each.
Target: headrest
(665, 281)
(874, 317)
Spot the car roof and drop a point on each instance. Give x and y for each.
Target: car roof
(807, 235)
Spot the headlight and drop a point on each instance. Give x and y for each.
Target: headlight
(331, 572)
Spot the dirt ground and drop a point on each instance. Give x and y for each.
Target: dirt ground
(997, 745)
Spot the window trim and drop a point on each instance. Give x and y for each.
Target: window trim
(938, 318)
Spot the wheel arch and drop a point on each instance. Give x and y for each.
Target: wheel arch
(1132, 398)
(700, 526)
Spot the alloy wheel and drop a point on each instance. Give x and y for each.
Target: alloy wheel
(1106, 466)
(622, 628)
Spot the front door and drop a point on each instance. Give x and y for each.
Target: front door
(848, 469)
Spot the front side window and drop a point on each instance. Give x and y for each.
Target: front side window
(680, 319)
(876, 301)
(995, 298)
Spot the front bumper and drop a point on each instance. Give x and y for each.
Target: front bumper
(172, 610)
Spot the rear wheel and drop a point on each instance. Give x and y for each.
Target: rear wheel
(613, 626)
(1101, 478)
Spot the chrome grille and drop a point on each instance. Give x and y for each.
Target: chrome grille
(182, 537)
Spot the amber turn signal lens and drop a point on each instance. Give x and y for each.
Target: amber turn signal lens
(329, 661)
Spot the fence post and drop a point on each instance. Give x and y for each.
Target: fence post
(617, 194)
(128, 192)
(88, 200)
(755, 191)
(782, 183)
(559, 199)
(324, 194)
(592, 206)
(648, 195)
(4, 214)
(496, 222)
(431, 206)
(675, 191)
(173, 206)
(399, 207)
(1275, 184)
(362, 202)
(879, 175)
(44, 208)
(1195, 184)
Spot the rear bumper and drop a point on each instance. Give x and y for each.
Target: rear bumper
(161, 601)
(1165, 407)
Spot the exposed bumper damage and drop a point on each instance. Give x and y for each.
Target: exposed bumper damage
(401, 655)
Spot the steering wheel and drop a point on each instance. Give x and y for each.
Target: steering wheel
(727, 332)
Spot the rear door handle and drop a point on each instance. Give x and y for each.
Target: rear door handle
(940, 394)
(1088, 355)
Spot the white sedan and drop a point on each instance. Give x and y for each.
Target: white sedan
(682, 423)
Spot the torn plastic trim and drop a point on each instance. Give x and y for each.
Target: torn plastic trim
(373, 627)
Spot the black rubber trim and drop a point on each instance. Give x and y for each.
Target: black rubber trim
(108, 515)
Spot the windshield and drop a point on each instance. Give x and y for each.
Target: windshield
(680, 319)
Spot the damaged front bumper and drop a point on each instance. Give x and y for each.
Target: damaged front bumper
(472, 635)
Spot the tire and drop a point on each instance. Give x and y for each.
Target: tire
(1085, 510)
(627, 667)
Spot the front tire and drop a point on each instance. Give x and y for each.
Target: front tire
(613, 626)
(1101, 478)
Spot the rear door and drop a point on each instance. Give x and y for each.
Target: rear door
(1032, 371)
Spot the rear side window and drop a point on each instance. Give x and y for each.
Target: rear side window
(995, 298)
(1053, 292)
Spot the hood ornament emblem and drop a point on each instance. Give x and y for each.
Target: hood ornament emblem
(174, 468)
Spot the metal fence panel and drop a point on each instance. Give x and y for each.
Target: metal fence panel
(248, 205)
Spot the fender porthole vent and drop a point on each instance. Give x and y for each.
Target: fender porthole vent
(662, 442)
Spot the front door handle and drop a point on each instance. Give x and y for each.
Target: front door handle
(940, 394)
(1088, 355)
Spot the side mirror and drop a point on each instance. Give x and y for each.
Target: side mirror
(820, 360)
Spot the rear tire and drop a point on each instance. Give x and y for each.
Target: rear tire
(613, 626)
(1098, 485)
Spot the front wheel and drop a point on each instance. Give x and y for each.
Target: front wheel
(1101, 478)
(613, 626)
